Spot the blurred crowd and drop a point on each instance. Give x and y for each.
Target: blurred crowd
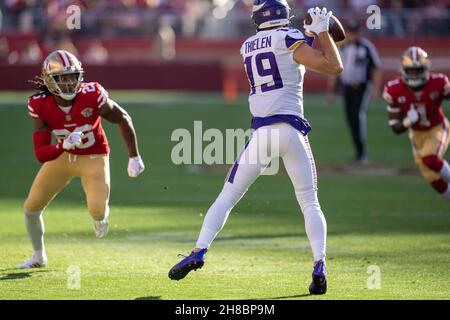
(205, 17)
(167, 19)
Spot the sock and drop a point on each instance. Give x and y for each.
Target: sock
(315, 223)
(446, 193)
(214, 221)
(217, 215)
(445, 171)
(316, 230)
(35, 227)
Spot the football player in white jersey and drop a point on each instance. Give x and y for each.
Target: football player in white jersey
(275, 59)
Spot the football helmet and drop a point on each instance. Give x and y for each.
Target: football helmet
(62, 73)
(415, 67)
(270, 13)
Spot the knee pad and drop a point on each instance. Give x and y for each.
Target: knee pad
(433, 162)
(439, 185)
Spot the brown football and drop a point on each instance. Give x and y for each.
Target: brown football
(336, 29)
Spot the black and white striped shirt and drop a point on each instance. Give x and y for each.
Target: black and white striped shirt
(359, 59)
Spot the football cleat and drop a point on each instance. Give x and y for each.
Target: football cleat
(319, 279)
(101, 228)
(194, 261)
(34, 262)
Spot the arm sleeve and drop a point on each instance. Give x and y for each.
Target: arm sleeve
(43, 150)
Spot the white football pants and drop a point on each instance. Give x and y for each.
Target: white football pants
(266, 143)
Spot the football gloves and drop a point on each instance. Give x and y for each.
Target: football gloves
(411, 118)
(320, 20)
(135, 166)
(73, 141)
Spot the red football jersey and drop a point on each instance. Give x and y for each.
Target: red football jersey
(83, 116)
(427, 102)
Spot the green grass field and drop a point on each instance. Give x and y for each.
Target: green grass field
(395, 222)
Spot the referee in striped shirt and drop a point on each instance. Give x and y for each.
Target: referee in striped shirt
(360, 83)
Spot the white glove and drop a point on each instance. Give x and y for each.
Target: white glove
(135, 166)
(411, 118)
(320, 20)
(73, 140)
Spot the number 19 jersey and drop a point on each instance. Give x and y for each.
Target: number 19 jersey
(83, 116)
(276, 80)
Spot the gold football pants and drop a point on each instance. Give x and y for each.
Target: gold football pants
(430, 142)
(55, 175)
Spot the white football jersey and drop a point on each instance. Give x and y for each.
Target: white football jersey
(276, 80)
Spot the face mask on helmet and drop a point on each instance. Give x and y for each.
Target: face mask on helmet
(65, 85)
(415, 77)
(270, 13)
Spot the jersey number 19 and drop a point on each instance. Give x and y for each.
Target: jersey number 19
(266, 65)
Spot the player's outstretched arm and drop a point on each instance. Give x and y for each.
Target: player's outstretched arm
(112, 112)
(328, 61)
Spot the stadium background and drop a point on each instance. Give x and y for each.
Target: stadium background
(169, 63)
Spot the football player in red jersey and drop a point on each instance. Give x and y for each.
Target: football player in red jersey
(72, 110)
(415, 104)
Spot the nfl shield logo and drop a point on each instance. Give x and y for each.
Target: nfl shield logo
(68, 118)
(87, 112)
(434, 95)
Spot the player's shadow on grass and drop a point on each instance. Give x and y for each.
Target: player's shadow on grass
(286, 297)
(18, 275)
(148, 298)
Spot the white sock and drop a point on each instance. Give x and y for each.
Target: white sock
(446, 193)
(35, 227)
(445, 172)
(315, 223)
(217, 215)
(214, 221)
(316, 230)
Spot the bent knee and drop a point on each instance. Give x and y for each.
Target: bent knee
(433, 162)
(31, 205)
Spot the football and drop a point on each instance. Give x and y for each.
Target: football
(336, 29)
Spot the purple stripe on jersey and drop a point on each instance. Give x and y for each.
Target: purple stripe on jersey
(309, 40)
(236, 165)
(291, 41)
(298, 123)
